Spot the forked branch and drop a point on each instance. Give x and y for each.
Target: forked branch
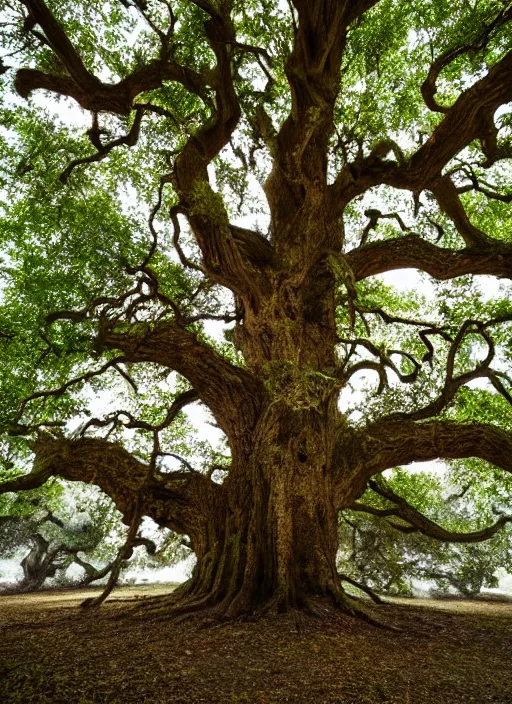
(130, 139)
(470, 118)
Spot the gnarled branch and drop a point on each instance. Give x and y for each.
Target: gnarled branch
(386, 444)
(230, 392)
(470, 118)
(453, 383)
(413, 252)
(185, 502)
(223, 260)
(182, 400)
(429, 86)
(418, 522)
(81, 85)
(447, 195)
(129, 139)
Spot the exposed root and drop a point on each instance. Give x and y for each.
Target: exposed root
(149, 606)
(178, 606)
(364, 588)
(348, 607)
(185, 604)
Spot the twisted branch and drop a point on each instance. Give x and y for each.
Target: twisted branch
(417, 522)
(81, 85)
(429, 86)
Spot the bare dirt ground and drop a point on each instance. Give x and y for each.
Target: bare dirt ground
(451, 652)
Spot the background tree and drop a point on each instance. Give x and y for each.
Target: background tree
(40, 522)
(366, 136)
(65, 527)
(389, 555)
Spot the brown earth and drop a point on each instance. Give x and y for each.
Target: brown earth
(451, 652)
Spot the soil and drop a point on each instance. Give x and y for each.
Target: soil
(450, 652)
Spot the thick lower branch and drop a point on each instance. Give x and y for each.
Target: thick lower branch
(186, 502)
(413, 252)
(387, 444)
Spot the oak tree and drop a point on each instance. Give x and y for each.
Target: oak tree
(48, 536)
(362, 137)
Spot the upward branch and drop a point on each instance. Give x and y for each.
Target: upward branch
(223, 259)
(470, 118)
(298, 181)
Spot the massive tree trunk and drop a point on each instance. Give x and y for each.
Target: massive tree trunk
(267, 537)
(279, 540)
(277, 543)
